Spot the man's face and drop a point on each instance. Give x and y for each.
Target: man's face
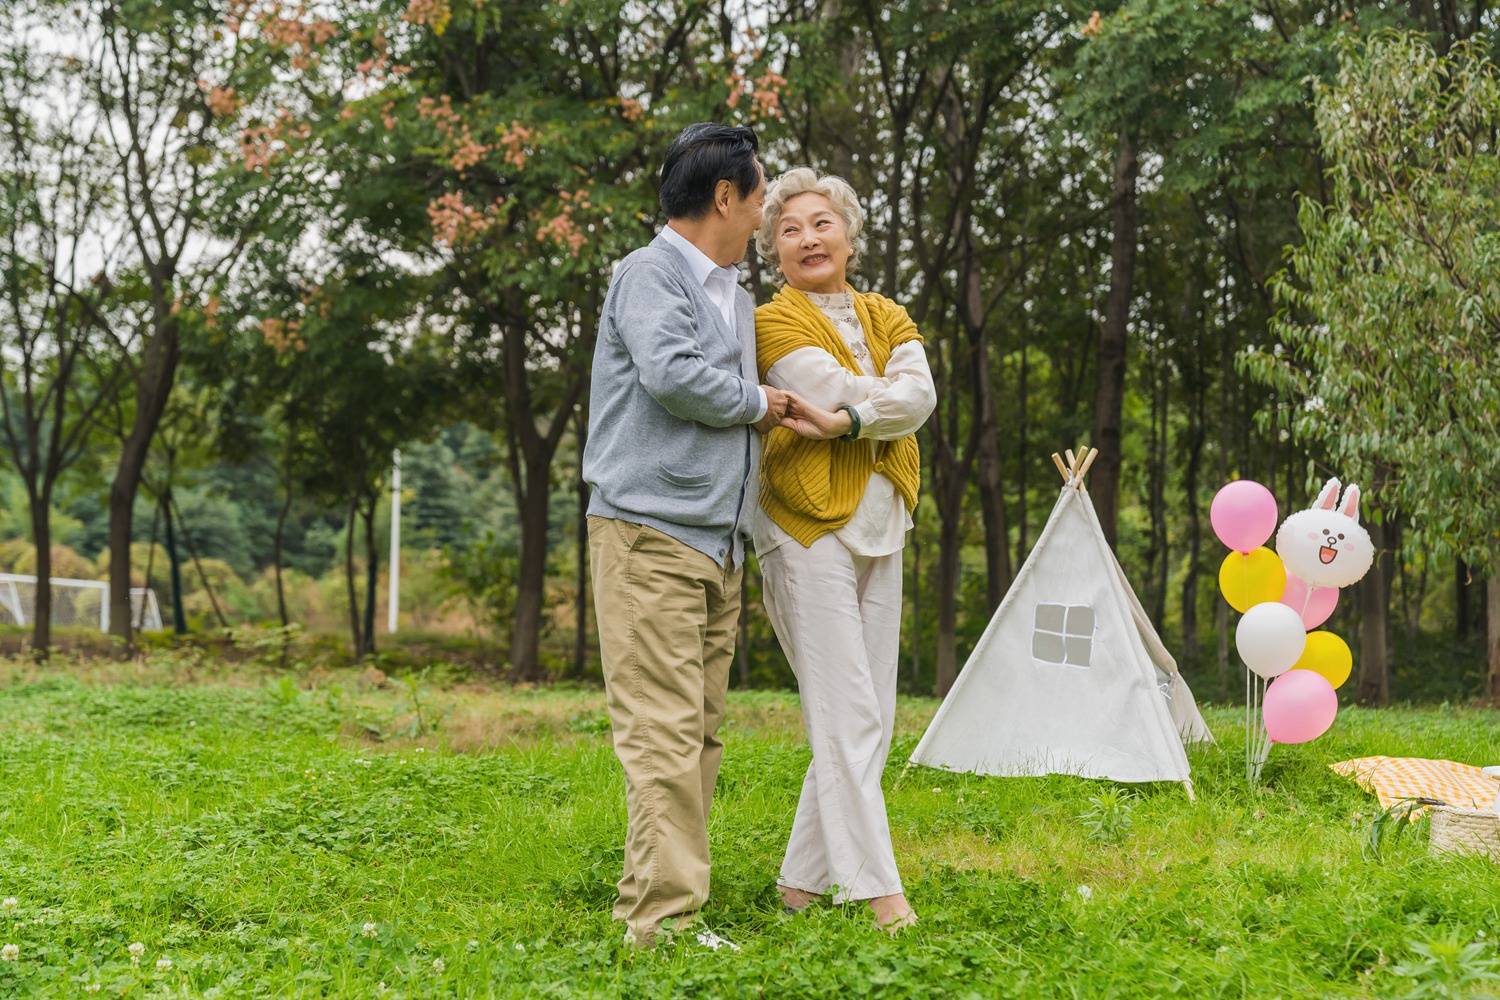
(743, 214)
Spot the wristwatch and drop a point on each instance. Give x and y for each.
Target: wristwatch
(854, 422)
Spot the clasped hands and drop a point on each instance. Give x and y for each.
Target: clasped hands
(789, 410)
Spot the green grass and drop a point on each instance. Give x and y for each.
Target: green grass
(247, 826)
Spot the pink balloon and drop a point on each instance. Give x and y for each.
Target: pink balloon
(1299, 706)
(1314, 604)
(1243, 515)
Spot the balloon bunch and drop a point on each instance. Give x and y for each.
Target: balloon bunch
(1281, 596)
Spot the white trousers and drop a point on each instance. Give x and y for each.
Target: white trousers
(838, 617)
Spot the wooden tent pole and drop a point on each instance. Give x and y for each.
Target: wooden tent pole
(1083, 469)
(1061, 469)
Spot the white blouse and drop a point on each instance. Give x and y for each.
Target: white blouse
(890, 407)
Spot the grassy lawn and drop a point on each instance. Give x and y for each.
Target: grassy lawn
(273, 836)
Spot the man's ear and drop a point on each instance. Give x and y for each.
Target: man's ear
(723, 195)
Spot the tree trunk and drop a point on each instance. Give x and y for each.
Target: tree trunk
(529, 453)
(1158, 558)
(1374, 612)
(1194, 533)
(140, 616)
(174, 568)
(1221, 651)
(208, 587)
(174, 571)
(372, 567)
(981, 385)
(1109, 398)
(1492, 639)
(158, 371)
(278, 541)
(948, 568)
(991, 494)
(531, 582)
(581, 569)
(915, 636)
(1463, 589)
(41, 539)
(1023, 451)
(354, 622)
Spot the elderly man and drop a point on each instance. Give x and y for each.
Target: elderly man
(674, 411)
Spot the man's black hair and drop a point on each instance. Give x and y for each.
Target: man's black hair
(699, 158)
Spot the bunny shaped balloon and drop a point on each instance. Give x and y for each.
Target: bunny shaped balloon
(1292, 672)
(1325, 546)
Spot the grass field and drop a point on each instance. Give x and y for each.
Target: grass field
(325, 835)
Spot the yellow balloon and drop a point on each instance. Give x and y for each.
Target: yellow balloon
(1326, 654)
(1250, 578)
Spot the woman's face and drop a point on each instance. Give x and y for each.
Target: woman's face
(812, 244)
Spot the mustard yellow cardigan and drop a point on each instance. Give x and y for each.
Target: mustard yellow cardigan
(810, 488)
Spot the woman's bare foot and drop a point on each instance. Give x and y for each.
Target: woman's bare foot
(796, 900)
(893, 913)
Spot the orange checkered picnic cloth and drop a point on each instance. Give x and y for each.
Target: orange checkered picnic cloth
(1396, 779)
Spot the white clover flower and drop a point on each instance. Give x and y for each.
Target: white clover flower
(369, 930)
(473, 945)
(136, 950)
(1085, 893)
(438, 965)
(10, 953)
(9, 903)
(520, 946)
(163, 964)
(92, 988)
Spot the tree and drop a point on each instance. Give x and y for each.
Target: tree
(191, 126)
(54, 247)
(531, 136)
(1393, 298)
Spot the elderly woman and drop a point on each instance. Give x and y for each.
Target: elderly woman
(839, 480)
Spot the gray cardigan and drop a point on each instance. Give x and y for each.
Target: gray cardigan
(672, 397)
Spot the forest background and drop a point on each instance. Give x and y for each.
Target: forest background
(252, 248)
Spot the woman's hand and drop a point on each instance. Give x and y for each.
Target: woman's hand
(813, 421)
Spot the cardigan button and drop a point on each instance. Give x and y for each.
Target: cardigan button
(879, 466)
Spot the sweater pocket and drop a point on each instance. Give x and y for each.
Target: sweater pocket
(692, 482)
(799, 472)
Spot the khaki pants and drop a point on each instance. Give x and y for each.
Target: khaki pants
(667, 622)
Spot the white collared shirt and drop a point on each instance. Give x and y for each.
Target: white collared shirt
(890, 406)
(718, 283)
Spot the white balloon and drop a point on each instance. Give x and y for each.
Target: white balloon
(1270, 638)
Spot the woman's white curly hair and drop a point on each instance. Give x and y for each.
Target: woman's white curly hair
(805, 180)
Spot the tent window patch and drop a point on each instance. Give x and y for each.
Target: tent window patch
(1063, 634)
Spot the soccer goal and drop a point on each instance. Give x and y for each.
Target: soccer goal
(74, 602)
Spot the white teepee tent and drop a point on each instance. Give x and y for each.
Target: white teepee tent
(1069, 676)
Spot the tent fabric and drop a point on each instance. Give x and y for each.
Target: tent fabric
(1069, 677)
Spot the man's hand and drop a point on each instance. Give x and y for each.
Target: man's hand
(776, 409)
(813, 421)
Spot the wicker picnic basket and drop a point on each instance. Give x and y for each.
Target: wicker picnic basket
(1466, 831)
